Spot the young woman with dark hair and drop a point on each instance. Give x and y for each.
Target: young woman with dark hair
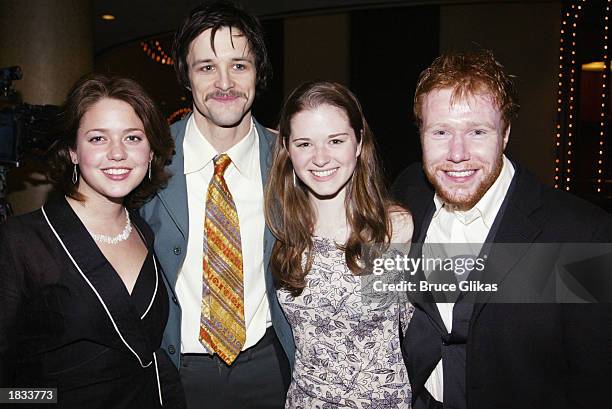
(83, 304)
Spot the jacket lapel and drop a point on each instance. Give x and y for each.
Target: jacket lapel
(266, 144)
(515, 228)
(100, 276)
(174, 196)
(428, 304)
(417, 194)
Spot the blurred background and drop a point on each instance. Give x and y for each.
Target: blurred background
(558, 51)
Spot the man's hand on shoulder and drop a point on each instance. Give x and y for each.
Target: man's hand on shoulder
(401, 224)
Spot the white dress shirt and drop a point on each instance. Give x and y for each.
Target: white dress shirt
(458, 227)
(243, 178)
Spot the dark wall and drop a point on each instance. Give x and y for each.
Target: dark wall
(268, 103)
(129, 60)
(389, 48)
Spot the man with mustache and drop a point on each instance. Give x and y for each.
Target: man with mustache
(225, 321)
(477, 352)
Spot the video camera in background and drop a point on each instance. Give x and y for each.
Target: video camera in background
(24, 128)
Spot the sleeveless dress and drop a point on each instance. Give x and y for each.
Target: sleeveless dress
(347, 348)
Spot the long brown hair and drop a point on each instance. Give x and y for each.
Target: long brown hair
(289, 212)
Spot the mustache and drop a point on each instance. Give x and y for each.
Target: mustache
(221, 94)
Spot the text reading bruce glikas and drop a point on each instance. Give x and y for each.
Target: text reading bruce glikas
(457, 265)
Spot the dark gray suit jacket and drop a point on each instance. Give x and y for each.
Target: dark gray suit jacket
(167, 215)
(518, 355)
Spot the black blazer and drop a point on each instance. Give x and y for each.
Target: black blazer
(68, 322)
(520, 355)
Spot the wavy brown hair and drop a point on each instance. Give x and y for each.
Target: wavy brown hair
(84, 94)
(290, 214)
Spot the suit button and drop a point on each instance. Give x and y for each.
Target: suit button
(171, 349)
(174, 300)
(177, 250)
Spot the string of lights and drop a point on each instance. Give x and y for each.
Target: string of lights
(566, 99)
(154, 50)
(558, 165)
(178, 114)
(603, 120)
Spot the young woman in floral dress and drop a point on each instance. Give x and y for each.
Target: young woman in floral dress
(326, 205)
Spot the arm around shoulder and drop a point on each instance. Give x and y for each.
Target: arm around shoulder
(401, 224)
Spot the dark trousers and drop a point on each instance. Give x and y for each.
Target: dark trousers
(258, 378)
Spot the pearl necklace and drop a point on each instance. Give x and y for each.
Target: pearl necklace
(102, 238)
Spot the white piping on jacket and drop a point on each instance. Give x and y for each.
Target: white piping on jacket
(154, 292)
(161, 402)
(95, 292)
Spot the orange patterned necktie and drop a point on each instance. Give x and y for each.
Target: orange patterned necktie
(222, 327)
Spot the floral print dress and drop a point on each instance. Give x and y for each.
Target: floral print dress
(347, 346)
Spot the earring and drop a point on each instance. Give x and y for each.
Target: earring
(294, 179)
(75, 174)
(149, 171)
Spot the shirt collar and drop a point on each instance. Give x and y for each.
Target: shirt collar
(199, 153)
(489, 204)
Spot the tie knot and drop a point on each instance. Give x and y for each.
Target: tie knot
(221, 163)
